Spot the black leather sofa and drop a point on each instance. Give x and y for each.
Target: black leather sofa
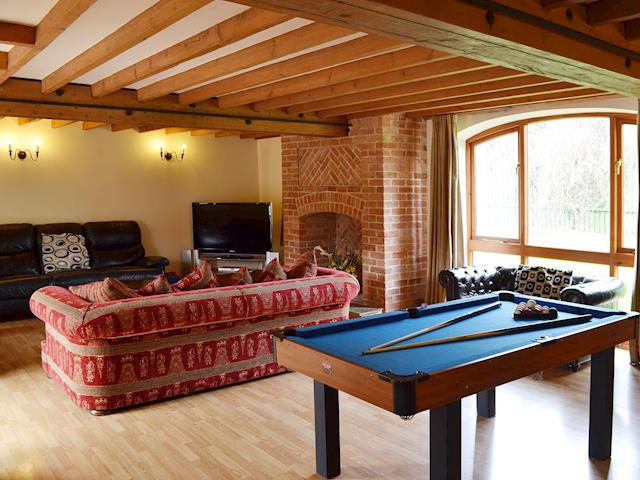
(476, 280)
(115, 250)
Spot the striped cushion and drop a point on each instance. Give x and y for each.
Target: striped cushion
(157, 286)
(107, 290)
(201, 277)
(304, 266)
(272, 272)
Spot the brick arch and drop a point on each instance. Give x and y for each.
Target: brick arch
(330, 202)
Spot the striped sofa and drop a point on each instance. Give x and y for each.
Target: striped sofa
(116, 354)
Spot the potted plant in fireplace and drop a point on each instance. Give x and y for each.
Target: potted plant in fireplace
(349, 262)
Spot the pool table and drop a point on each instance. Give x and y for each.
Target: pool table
(437, 377)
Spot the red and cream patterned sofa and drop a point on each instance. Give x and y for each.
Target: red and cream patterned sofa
(115, 354)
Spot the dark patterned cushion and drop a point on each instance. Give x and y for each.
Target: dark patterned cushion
(64, 251)
(158, 286)
(542, 282)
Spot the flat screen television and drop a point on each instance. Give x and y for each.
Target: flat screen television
(241, 228)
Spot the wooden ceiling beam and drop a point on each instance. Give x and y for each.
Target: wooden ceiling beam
(61, 123)
(24, 121)
(324, 58)
(632, 29)
(227, 133)
(16, 34)
(148, 129)
(202, 132)
(266, 97)
(92, 125)
(524, 85)
(56, 21)
(24, 98)
(174, 130)
(511, 102)
(396, 77)
(121, 127)
(154, 19)
(236, 28)
(4, 61)
(609, 11)
(474, 77)
(285, 44)
(560, 3)
(517, 32)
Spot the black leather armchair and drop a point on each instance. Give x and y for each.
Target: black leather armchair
(115, 250)
(476, 280)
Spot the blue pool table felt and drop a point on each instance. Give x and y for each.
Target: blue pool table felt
(347, 340)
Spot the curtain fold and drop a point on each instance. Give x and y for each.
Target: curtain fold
(634, 345)
(446, 241)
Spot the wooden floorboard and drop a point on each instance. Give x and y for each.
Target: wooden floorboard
(263, 430)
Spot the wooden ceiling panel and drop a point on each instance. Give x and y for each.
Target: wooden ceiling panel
(285, 44)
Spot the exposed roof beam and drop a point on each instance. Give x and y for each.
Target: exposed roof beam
(608, 11)
(516, 33)
(560, 3)
(151, 21)
(285, 44)
(246, 23)
(121, 127)
(172, 130)
(24, 121)
(632, 29)
(474, 77)
(202, 132)
(396, 77)
(541, 98)
(365, 67)
(24, 98)
(228, 133)
(16, 34)
(148, 129)
(510, 88)
(326, 57)
(92, 125)
(61, 15)
(61, 123)
(4, 61)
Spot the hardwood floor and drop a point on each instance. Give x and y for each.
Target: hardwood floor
(263, 430)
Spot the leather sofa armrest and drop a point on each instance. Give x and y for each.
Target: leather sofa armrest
(593, 293)
(153, 261)
(466, 281)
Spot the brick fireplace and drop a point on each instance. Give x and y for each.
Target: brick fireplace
(365, 192)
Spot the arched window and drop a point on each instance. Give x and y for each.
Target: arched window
(555, 191)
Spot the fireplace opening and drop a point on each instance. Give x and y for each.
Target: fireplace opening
(338, 234)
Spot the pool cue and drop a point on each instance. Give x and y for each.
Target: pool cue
(440, 325)
(489, 333)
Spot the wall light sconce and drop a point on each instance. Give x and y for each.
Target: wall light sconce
(20, 154)
(169, 155)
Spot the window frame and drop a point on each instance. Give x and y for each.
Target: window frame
(617, 255)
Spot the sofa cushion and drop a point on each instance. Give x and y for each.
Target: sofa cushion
(18, 255)
(113, 244)
(63, 251)
(107, 290)
(76, 277)
(22, 286)
(272, 272)
(157, 286)
(542, 282)
(241, 277)
(200, 277)
(304, 266)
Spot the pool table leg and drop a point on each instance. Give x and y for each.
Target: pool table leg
(486, 403)
(327, 430)
(601, 404)
(445, 442)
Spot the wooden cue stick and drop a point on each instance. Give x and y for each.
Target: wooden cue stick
(490, 333)
(440, 325)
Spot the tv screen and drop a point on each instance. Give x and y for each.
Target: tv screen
(232, 227)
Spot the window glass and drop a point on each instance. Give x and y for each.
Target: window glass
(579, 268)
(626, 274)
(629, 185)
(495, 259)
(495, 176)
(568, 172)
